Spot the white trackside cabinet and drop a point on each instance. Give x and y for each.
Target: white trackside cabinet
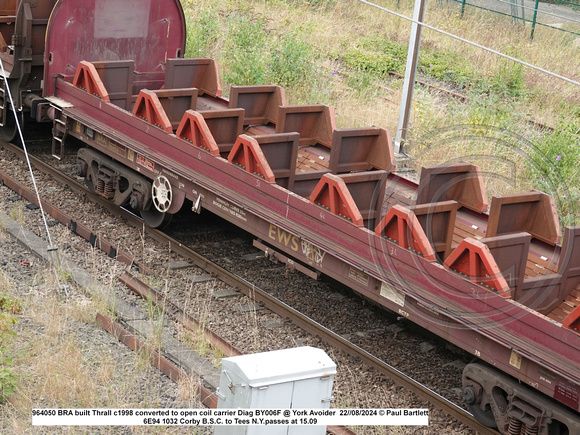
(283, 379)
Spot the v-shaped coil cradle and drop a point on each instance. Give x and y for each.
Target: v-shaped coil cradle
(248, 154)
(88, 78)
(401, 225)
(149, 108)
(332, 193)
(194, 129)
(474, 259)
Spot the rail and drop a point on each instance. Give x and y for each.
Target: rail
(263, 297)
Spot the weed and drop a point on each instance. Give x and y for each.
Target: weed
(17, 213)
(315, 4)
(153, 310)
(203, 33)
(376, 56)
(556, 168)
(8, 379)
(246, 50)
(446, 66)
(9, 305)
(291, 61)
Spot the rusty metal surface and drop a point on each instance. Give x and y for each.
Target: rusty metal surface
(459, 182)
(333, 246)
(282, 309)
(281, 151)
(314, 122)
(76, 227)
(291, 265)
(177, 313)
(526, 406)
(533, 212)
(328, 336)
(171, 370)
(117, 77)
(202, 74)
(228, 349)
(361, 149)
(111, 30)
(259, 102)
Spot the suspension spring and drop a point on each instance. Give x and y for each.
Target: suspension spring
(100, 187)
(531, 430)
(515, 426)
(109, 190)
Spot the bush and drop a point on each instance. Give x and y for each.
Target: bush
(445, 66)
(203, 33)
(291, 61)
(246, 54)
(556, 164)
(376, 56)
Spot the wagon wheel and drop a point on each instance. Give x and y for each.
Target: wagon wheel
(156, 219)
(483, 416)
(9, 130)
(161, 193)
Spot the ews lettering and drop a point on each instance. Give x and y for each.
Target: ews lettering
(283, 237)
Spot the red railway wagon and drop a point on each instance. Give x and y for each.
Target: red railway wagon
(497, 280)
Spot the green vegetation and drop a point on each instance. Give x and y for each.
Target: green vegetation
(341, 53)
(375, 56)
(8, 379)
(246, 49)
(251, 55)
(203, 33)
(557, 170)
(291, 61)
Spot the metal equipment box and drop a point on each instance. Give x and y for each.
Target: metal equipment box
(282, 379)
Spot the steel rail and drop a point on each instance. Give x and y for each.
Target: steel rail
(177, 313)
(166, 366)
(280, 308)
(76, 227)
(163, 364)
(330, 337)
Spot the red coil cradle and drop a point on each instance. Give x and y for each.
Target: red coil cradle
(332, 193)
(401, 225)
(88, 78)
(149, 108)
(248, 154)
(194, 129)
(474, 260)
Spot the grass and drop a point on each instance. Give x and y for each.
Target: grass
(8, 309)
(341, 52)
(53, 356)
(17, 213)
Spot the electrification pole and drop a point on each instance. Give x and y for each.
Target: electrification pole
(412, 58)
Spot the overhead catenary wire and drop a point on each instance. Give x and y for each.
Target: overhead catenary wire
(475, 44)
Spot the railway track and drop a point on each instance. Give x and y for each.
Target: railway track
(239, 283)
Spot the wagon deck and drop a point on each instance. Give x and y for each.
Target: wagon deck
(497, 278)
(317, 192)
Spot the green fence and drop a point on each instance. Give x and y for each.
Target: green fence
(522, 13)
